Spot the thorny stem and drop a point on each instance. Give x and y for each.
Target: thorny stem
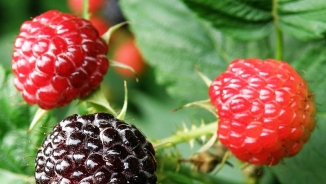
(278, 32)
(186, 136)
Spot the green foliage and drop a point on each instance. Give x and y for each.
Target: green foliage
(178, 35)
(18, 147)
(175, 37)
(303, 19)
(245, 20)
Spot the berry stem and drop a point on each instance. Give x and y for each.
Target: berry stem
(186, 136)
(86, 15)
(279, 44)
(278, 33)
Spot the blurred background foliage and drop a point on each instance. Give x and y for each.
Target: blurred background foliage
(172, 37)
(149, 105)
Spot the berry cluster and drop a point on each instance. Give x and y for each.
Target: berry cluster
(265, 109)
(58, 57)
(95, 148)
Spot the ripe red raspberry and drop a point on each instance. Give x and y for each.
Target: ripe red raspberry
(93, 149)
(265, 109)
(58, 57)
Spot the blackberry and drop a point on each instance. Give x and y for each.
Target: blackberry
(95, 149)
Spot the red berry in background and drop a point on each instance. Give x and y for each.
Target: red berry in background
(128, 54)
(266, 111)
(99, 23)
(77, 5)
(58, 57)
(95, 148)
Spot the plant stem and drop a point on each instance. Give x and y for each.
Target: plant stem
(186, 136)
(85, 10)
(279, 44)
(278, 33)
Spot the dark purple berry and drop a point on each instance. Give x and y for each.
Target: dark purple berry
(95, 149)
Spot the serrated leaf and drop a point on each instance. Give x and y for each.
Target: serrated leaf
(173, 41)
(304, 19)
(252, 19)
(245, 20)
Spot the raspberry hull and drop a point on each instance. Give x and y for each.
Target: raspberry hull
(265, 109)
(95, 148)
(58, 57)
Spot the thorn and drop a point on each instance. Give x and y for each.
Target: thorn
(209, 143)
(207, 81)
(193, 126)
(202, 122)
(203, 139)
(185, 128)
(192, 143)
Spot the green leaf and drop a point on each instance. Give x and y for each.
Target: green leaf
(304, 19)
(12, 178)
(14, 111)
(245, 20)
(17, 147)
(253, 19)
(173, 41)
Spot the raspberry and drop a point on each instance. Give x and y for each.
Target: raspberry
(265, 109)
(128, 53)
(95, 148)
(58, 57)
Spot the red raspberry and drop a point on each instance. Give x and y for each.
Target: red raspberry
(58, 57)
(128, 53)
(265, 109)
